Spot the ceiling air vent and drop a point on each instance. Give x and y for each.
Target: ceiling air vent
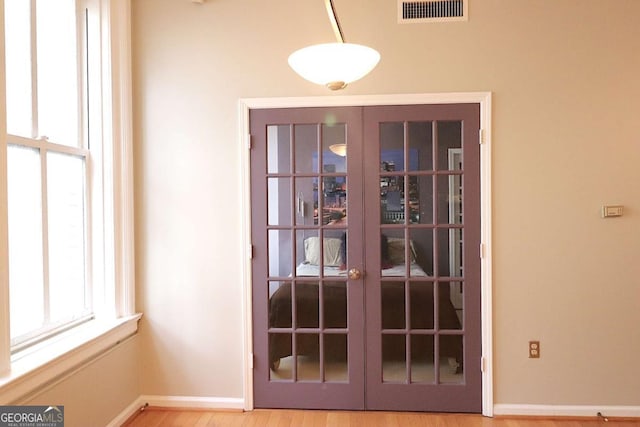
(410, 12)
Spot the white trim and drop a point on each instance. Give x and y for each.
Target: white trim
(193, 402)
(40, 366)
(484, 99)
(5, 339)
(122, 112)
(127, 413)
(566, 410)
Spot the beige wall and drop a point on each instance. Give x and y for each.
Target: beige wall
(565, 78)
(93, 395)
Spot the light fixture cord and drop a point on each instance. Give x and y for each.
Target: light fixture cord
(331, 11)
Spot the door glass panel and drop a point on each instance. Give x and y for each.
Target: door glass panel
(420, 146)
(308, 355)
(306, 200)
(393, 305)
(392, 199)
(278, 149)
(334, 200)
(422, 366)
(334, 146)
(421, 251)
(336, 357)
(394, 358)
(307, 302)
(450, 249)
(279, 304)
(309, 253)
(449, 136)
(280, 356)
(280, 253)
(306, 148)
(392, 146)
(279, 201)
(421, 199)
(334, 295)
(449, 199)
(451, 367)
(450, 306)
(421, 304)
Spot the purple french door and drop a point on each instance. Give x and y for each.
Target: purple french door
(366, 270)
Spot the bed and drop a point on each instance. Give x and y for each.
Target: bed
(335, 301)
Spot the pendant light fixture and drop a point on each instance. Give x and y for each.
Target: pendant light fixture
(334, 65)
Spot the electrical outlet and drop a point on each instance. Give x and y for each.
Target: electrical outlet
(534, 349)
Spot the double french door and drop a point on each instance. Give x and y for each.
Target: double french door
(366, 268)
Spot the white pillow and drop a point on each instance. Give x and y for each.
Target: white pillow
(331, 248)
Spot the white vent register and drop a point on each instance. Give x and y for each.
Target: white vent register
(410, 12)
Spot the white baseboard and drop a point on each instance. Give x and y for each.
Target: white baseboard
(176, 402)
(566, 410)
(127, 413)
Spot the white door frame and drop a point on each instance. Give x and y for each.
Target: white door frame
(482, 98)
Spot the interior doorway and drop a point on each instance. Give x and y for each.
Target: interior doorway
(353, 264)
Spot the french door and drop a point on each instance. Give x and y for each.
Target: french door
(366, 268)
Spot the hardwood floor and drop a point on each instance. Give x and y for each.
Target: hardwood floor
(159, 417)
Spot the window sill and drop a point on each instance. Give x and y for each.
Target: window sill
(34, 367)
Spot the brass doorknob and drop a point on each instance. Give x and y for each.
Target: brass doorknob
(354, 274)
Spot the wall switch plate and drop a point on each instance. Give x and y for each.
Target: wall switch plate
(612, 210)
(534, 349)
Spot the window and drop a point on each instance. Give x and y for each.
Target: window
(66, 215)
(47, 158)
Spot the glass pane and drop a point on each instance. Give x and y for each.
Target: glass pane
(334, 146)
(422, 366)
(394, 359)
(334, 296)
(420, 146)
(280, 357)
(392, 199)
(421, 199)
(334, 200)
(450, 307)
(308, 253)
(280, 253)
(421, 249)
(392, 146)
(451, 366)
(279, 201)
(306, 148)
(280, 304)
(278, 149)
(25, 240)
(307, 305)
(393, 305)
(449, 136)
(450, 250)
(336, 357)
(18, 67)
(66, 209)
(308, 351)
(450, 199)
(306, 201)
(422, 307)
(58, 91)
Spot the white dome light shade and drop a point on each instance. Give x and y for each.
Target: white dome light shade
(334, 64)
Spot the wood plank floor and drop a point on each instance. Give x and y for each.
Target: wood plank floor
(158, 417)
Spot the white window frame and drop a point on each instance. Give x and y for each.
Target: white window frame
(112, 249)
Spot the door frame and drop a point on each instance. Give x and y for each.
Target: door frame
(244, 144)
